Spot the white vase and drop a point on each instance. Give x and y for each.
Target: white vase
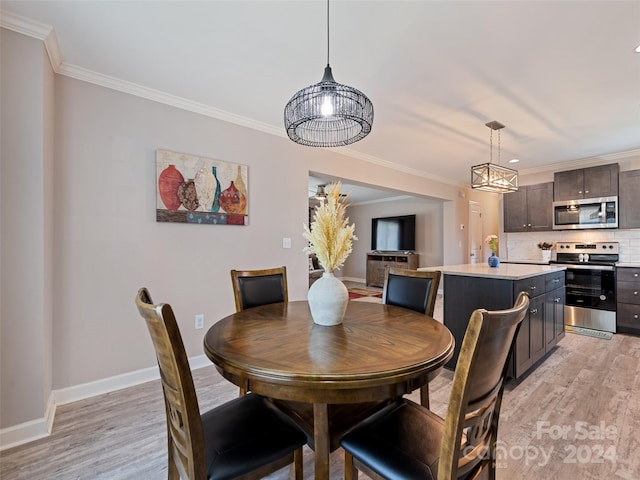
(328, 299)
(546, 255)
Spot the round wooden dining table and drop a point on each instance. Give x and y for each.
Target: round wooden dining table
(328, 378)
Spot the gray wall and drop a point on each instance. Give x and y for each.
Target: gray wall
(26, 212)
(429, 228)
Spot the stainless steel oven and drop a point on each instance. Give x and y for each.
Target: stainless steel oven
(590, 283)
(586, 213)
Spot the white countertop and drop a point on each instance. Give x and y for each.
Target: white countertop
(528, 262)
(628, 264)
(507, 271)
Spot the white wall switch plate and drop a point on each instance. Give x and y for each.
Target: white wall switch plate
(199, 321)
(286, 242)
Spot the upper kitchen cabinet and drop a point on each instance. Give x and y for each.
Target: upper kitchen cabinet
(629, 199)
(592, 182)
(529, 209)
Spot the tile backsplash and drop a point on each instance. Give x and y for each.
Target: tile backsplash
(524, 246)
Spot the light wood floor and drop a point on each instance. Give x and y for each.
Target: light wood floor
(121, 435)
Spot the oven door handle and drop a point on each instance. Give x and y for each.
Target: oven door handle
(607, 268)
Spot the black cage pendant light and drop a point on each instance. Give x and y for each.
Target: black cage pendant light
(328, 114)
(490, 177)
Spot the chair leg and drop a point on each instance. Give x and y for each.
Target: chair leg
(296, 467)
(350, 471)
(244, 388)
(424, 395)
(172, 471)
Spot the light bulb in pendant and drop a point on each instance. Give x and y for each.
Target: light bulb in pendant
(326, 108)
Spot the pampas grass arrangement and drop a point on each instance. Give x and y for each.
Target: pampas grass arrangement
(330, 236)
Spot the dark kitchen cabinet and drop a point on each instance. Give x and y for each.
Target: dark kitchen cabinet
(629, 199)
(554, 300)
(530, 345)
(529, 209)
(592, 182)
(628, 298)
(463, 294)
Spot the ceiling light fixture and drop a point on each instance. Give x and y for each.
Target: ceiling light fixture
(490, 177)
(320, 192)
(328, 114)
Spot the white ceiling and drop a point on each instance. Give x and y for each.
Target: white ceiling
(562, 76)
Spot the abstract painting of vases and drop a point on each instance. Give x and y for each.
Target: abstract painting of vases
(189, 190)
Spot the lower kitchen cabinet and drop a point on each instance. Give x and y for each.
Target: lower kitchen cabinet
(628, 300)
(554, 316)
(541, 329)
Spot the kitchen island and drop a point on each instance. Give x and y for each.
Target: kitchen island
(471, 286)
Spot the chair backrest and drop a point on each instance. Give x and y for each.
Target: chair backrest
(413, 289)
(184, 425)
(471, 422)
(252, 288)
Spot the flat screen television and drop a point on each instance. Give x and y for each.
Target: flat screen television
(393, 234)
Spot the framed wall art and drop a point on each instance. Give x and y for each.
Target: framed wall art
(194, 189)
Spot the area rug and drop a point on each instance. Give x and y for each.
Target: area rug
(588, 332)
(361, 292)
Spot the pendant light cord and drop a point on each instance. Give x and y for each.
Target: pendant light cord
(327, 32)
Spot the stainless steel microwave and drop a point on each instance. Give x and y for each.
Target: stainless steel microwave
(586, 213)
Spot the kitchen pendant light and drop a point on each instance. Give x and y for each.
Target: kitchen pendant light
(328, 114)
(491, 177)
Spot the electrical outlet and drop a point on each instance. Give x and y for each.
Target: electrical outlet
(286, 242)
(199, 321)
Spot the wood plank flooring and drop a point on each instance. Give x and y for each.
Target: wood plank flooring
(587, 387)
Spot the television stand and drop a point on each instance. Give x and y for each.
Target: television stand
(377, 262)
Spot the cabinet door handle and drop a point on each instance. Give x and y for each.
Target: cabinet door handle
(556, 280)
(635, 275)
(579, 191)
(635, 293)
(533, 311)
(586, 191)
(557, 300)
(532, 288)
(635, 316)
(525, 226)
(529, 225)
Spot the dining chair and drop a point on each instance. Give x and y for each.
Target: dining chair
(407, 440)
(246, 437)
(252, 288)
(412, 289)
(416, 290)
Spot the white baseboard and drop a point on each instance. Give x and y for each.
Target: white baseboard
(42, 427)
(353, 279)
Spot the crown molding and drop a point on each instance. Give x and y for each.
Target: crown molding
(33, 29)
(399, 168)
(141, 91)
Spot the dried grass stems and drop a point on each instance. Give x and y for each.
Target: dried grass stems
(330, 235)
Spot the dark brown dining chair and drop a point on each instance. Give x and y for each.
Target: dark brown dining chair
(252, 288)
(245, 438)
(407, 440)
(416, 290)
